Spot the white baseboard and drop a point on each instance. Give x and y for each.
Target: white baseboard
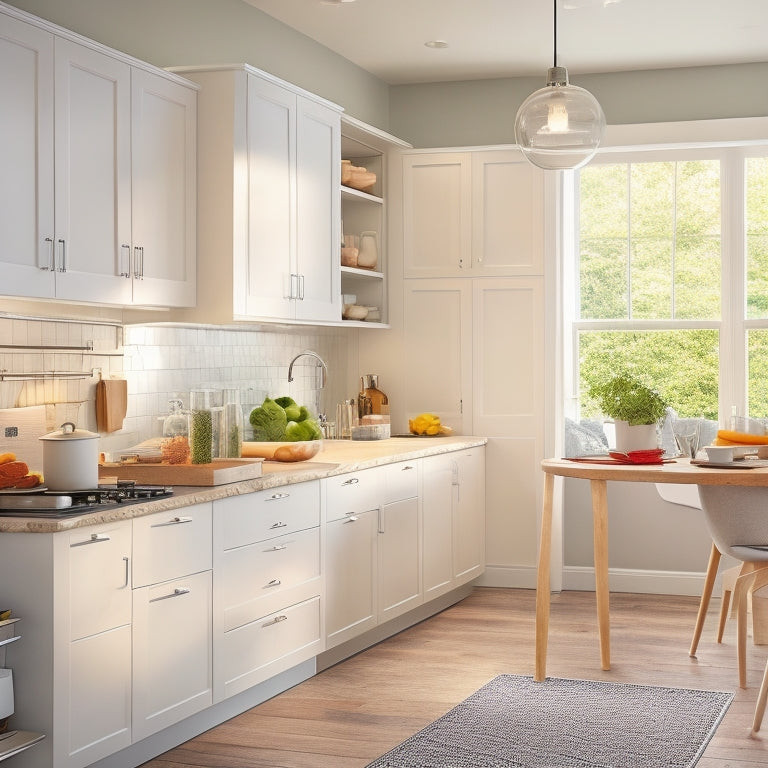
(619, 579)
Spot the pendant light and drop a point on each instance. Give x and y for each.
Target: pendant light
(560, 126)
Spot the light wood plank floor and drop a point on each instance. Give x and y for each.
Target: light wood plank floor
(349, 714)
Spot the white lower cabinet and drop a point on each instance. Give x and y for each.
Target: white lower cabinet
(453, 507)
(172, 618)
(92, 594)
(267, 585)
(372, 549)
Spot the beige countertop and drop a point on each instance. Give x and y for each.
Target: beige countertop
(336, 457)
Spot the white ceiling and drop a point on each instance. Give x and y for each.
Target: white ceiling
(509, 38)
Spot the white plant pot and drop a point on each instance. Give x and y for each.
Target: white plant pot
(638, 437)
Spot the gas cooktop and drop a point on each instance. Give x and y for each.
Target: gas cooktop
(58, 504)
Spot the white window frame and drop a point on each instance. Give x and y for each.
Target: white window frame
(731, 141)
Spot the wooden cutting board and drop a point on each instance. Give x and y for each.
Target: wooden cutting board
(111, 404)
(218, 472)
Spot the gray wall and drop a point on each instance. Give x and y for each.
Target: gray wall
(177, 32)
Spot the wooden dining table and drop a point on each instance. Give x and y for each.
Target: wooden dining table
(599, 475)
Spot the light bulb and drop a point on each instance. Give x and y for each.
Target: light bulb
(557, 118)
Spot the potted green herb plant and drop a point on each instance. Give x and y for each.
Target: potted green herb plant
(635, 408)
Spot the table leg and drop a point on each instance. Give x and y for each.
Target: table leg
(709, 583)
(600, 532)
(542, 581)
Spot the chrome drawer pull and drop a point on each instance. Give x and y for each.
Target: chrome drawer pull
(274, 583)
(176, 593)
(351, 518)
(351, 481)
(10, 640)
(172, 521)
(277, 548)
(96, 538)
(276, 496)
(127, 575)
(276, 620)
(278, 524)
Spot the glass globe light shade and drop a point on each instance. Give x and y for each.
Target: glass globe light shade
(560, 126)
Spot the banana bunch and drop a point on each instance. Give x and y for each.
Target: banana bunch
(428, 424)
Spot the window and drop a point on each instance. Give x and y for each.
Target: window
(670, 277)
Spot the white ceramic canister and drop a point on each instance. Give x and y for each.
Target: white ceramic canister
(70, 459)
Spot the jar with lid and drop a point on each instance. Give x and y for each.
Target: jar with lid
(175, 444)
(231, 443)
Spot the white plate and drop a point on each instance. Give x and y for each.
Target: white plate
(15, 491)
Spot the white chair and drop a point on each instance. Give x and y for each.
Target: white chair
(737, 518)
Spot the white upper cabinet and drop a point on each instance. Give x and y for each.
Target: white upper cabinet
(81, 126)
(472, 213)
(164, 184)
(269, 199)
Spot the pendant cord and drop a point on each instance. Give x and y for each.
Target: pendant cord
(554, 34)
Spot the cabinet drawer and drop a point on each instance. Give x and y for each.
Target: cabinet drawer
(259, 650)
(353, 492)
(256, 575)
(253, 517)
(401, 481)
(167, 545)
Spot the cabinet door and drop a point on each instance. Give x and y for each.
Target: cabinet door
(163, 159)
(26, 159)
(399, 565)
(318, 211)
(438, 348)
(350, 577)
(96, 718)
(437, 214)
(507, 214)
(439, 476)
(92, 173)
(271, 278)
(172, 652)
(99, 578)
(469, 515)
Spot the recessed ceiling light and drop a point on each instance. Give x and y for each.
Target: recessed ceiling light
(436, 44)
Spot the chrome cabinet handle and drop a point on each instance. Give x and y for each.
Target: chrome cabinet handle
(127, 260)
(178, 592)
(125, 560)
(351, 481)
(63, 244)
(278, 524)
(277, 496)
(96, 538)
(351, 518)
(293, 290)
(276, 548)
(10, 640)
(380, 516)
(273, 583)
(172, 521)
(301, 287)
(276, 620)
(51, 256)
(138, 263)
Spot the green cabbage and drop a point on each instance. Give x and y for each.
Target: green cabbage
(282, 419)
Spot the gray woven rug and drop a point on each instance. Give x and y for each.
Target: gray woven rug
(514, 722)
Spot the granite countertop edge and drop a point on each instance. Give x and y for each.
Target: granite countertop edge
(334, 459)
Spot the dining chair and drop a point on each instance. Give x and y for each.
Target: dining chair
(737, 519)
(762, 697)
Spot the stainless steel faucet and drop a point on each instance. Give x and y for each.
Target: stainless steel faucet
(323, 376)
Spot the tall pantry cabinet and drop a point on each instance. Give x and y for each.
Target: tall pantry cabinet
(467, 245)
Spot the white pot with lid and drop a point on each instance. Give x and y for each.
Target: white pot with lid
(70, 458)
